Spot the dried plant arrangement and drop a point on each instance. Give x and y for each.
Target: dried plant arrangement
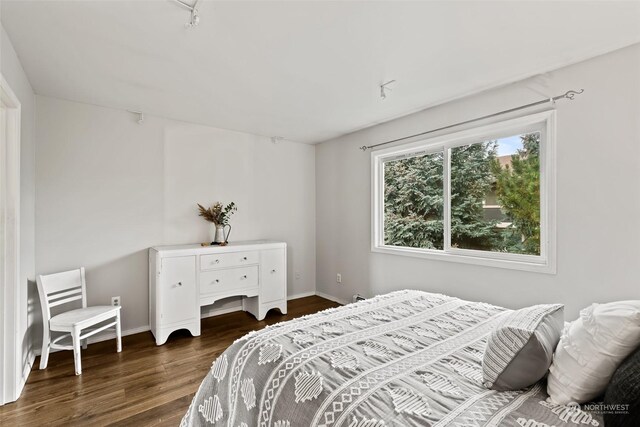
(217, 213)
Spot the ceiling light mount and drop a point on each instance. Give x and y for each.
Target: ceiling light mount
(193, 8)
(386, 87)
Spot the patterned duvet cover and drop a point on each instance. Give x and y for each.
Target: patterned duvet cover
(407, 358)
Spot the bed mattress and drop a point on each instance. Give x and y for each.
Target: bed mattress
(407, 358)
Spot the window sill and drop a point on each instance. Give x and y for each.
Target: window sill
(511, 264)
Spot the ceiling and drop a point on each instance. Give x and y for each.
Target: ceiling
(304, 70)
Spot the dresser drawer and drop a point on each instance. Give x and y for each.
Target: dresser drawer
(229, 259)
(217, 281)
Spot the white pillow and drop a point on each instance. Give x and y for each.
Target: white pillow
(590, 350)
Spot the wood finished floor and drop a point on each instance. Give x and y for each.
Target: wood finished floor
(145, 385)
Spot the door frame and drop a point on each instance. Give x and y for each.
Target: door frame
(10, 348)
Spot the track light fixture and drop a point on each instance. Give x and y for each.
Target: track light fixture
(384, 87)
(140, 116)
(195, 17)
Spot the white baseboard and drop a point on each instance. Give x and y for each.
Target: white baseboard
(31, 357)
(332, 298)
(112, 335)
(219, 311)
(301, 295)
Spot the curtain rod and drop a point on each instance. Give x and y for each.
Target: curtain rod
(570, 95)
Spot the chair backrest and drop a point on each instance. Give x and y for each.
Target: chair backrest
(61, 288)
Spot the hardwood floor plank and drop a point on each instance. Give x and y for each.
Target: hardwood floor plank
(145, 385)
(165, 415)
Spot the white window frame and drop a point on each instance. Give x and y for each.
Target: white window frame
(545, 262)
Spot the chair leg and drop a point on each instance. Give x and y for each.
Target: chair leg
(76, 350)
(46, 343)
(118, 332)
(85, 343)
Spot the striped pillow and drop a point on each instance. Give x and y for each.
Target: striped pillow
(520, 349)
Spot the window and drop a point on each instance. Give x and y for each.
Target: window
(481, 196)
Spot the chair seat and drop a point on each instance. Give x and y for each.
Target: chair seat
(69, 318)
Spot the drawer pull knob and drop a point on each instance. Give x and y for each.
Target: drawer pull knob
(217, 280)
(273, 271)
(244, 258)
(244, 277)
(217, 261)
(179, 283)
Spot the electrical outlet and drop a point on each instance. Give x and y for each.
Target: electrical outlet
(115, 301)
(339, 278)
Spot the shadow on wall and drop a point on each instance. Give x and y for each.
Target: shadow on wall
(32, 340)
(126, 277)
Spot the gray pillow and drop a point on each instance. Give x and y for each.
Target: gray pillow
(624, 389)
(520, 349)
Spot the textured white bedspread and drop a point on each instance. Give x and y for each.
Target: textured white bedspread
(407, 358)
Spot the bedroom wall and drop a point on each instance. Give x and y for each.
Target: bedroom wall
(598, 197)
(15, 76)
(109, 188)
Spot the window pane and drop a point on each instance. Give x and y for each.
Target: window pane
(495, 195)
(413, 202)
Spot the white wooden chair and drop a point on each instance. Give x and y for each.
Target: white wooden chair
(62, 288)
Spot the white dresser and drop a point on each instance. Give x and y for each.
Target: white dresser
(183, 278)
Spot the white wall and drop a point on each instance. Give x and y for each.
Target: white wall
(17, 79)
(108, 189)
(598, 197)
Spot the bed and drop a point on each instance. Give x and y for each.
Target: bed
(407, 358)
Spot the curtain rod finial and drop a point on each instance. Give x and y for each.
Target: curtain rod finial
(364, 148)
(572, 94)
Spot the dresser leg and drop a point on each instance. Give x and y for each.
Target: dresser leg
(283, 307)
(264, 309)
(195, 330)
(252, 305)
(161, 338)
